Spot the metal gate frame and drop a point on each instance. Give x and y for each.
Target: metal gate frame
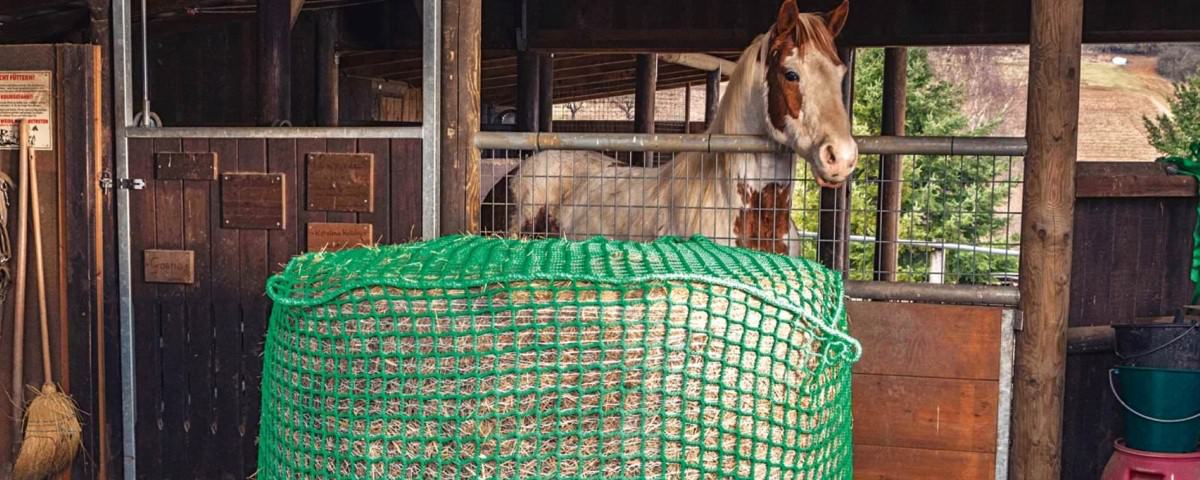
(124, 129)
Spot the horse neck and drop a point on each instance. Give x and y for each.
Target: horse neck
(741, 112)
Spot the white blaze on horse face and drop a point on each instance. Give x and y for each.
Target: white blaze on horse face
(819, 129)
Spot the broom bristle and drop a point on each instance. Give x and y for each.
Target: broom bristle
(52, 436)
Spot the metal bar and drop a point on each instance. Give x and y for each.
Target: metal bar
(276, 132)
(145, 65)
(123, 109)
(934, 293)
(961, 247)
(1008, 352)
(431, 124)
(663, 142)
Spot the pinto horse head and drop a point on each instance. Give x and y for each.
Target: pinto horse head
(803, 80)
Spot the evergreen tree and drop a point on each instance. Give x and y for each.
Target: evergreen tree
(944, 199)
(1173, 134)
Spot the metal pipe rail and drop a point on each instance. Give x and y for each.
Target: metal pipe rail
(655, 142)
(937, 293)
(273, 132)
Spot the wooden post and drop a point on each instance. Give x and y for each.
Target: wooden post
(645, 87)
(327, 68)
(460, 116)
(1052, 129)
(274, 61)
(891, 169)
(712, 96)
(527, 91)
(687, 108)
(545, 93)
(833, 230)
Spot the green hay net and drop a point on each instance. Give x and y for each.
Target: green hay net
(471, 357)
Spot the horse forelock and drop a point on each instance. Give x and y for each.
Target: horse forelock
(808, 33)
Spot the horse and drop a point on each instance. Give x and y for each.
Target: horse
(787, 86)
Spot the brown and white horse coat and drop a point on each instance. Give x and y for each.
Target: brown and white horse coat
(786, 86)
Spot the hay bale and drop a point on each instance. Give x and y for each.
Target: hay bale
(469, 357)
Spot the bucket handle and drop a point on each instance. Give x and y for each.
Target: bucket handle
(1155, 349)
(1113, 387)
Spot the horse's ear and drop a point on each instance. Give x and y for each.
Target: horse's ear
(836, 18)
(789, 15)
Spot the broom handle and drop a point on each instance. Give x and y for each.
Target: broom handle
(18, 365)
(41, 274)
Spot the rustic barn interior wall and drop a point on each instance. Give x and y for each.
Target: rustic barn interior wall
(65, 183)
(1133, 250)
(213, 214)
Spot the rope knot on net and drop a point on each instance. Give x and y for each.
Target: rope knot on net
(474, 357)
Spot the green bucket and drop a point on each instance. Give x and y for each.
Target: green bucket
(1162, 407)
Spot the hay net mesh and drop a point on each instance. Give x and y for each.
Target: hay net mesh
(472, 357)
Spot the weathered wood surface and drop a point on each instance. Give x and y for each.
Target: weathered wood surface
(926, 389)
(342, 182)
(169, 266)
(185, 166)
(460, 77)
(252, 200)
(329, 237)
(213, 434)
(1052, 128)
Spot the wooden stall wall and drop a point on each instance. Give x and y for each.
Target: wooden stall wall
(66, 177)
(1133, 251)
(928, 390)
(199, 342)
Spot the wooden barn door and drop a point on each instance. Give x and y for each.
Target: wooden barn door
(932, 390)
(215, 219)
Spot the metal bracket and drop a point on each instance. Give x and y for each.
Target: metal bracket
(106, 180)
(133, 183)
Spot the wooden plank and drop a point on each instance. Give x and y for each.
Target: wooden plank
(253, 201)
(930, 413)
(338, 236)
(306, 146)
(170, 266)
(405, 198)
(899, 463)
(185, 166)
(253, 249)
(1052, 129)
(226, 319)
(197, 238)
(380, 215)
(282, 157)
(1135, 186)
(343, 182)
(172, 319)
(341, 145)
(924, 340)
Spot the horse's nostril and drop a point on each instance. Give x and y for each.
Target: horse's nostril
(828, 155)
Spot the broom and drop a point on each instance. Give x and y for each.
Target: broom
(52, 432)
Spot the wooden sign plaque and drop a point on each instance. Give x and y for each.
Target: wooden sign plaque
(170, 266)
(341, 182)
(253, 201)
(185, 166)
(338, 236)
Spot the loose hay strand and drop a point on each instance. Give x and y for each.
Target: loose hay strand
(468, 357)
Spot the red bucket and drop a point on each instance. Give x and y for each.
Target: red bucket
(1129, 464)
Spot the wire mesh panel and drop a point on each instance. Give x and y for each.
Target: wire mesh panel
(470, 357)
(959, 216)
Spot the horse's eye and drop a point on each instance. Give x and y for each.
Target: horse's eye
(792, 76)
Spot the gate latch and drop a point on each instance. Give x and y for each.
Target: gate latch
(133, 183)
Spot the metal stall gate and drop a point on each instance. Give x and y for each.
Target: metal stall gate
(932, 392)
(204, 216)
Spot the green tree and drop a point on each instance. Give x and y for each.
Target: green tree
(1173, 134)
(944, 199)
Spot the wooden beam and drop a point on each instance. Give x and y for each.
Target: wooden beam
(712, 96)
(296, 7)
(701, 61)
(687, 108)
(527, 91)
(327, 68)
(274, 61)
(891, 170)
(645, 88)
(460, 75)
(545, 93)
(1052, 129)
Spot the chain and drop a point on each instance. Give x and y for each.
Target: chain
(6, 188)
